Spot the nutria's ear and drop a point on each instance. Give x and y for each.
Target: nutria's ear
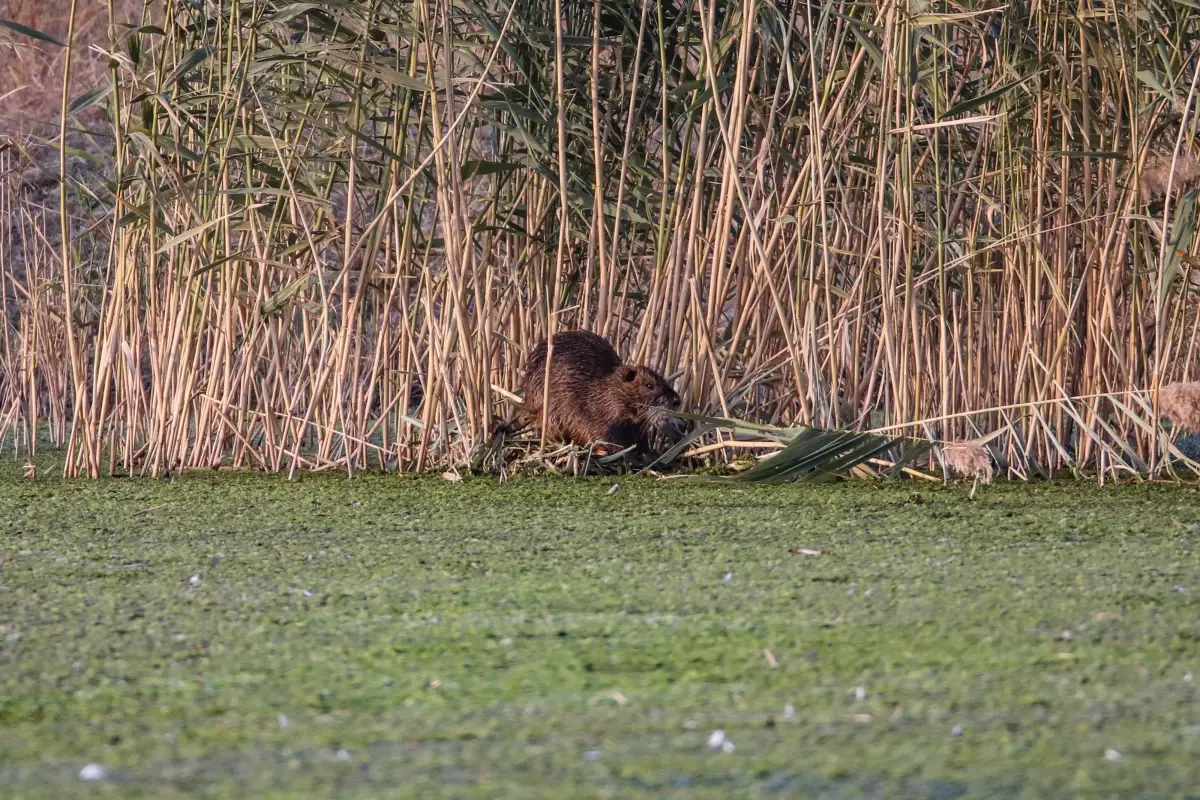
(628, 374)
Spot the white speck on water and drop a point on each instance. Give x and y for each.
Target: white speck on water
(284, 722)
(859, 693)
(956, 730)
(1180, 589)
(92, 772)
(506, 641)
(789, 711)
(727, 747)
(728, 577)
(307, 593)
(1112, 755)
(194, 580)
(1187, 678)
(592, 755)
(1067, 635)
(716, 738)
(343, 755)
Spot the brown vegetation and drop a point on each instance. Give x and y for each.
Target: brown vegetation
(31, 71)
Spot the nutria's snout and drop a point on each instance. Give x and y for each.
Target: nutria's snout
(659, 398)
(672, 427)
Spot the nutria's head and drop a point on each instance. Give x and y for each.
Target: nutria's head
(651, 396)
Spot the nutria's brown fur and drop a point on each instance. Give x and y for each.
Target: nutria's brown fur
(594, 397)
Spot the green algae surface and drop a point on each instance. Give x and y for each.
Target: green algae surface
(240, 635)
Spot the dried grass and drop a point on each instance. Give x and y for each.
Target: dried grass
(31, 71)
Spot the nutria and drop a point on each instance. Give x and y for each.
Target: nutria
(594, 397)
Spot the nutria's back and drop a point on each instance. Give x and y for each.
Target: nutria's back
(580, 353)
(593, 396)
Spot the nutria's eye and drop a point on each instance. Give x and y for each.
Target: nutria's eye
(629, 375)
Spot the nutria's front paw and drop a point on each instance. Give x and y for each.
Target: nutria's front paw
(623, 433)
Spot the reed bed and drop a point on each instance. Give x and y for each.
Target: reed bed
(327, 233)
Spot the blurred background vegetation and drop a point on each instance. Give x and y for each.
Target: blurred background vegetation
(324, 234)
